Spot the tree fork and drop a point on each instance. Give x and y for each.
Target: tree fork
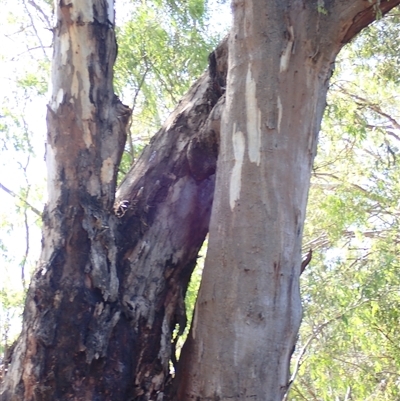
(113, 272)
(110, 285)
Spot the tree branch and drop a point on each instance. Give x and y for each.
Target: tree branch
(14, 195)
(313, 336)
(369, 14)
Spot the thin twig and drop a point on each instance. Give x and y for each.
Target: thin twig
(25, 258)
(313, 336)
(14, 195)
(29, 50)
(372, 106)
(139, 88)
(36, 32)
(33, 4)
(348, 394)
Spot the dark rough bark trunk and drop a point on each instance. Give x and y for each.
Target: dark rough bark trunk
(110, 285)
(168, 194)
(113, 272)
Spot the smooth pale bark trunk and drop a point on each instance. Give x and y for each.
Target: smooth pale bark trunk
(248, 311)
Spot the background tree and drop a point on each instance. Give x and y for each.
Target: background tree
(350, 292)
(25, 62)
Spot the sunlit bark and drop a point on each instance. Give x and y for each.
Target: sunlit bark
(109, 288)
(248, 311)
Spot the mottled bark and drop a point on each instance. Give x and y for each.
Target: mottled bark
(110, 285)
(248, 311)
(168, 194)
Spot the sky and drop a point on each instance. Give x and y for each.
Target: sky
(18, 54)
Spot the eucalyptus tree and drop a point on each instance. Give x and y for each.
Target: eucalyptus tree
(348, 339)
(108, 292)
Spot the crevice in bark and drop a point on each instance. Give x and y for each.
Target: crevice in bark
(168, 196)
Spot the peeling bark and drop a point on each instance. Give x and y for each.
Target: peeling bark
(109, 289)
(169, 195)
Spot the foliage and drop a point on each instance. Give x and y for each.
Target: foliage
(348, 346)
(163, 47)
(24, 66)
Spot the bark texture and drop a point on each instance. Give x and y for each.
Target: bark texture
(110, 285)
(248, 311)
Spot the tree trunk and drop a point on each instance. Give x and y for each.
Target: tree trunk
(110, 284)
(248, 311)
